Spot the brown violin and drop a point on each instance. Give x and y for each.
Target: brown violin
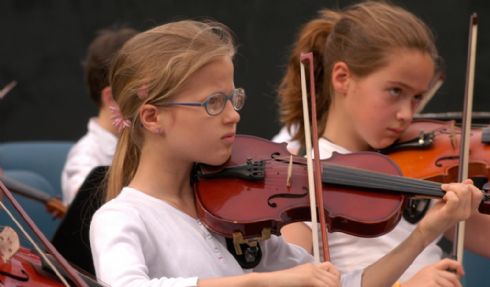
(22, 267)
(429, 149)
(263, 187)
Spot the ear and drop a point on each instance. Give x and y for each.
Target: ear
(150, 118)
(106, 96)
(341, 77)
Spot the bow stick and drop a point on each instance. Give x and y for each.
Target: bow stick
(314, 180)
(458, 242)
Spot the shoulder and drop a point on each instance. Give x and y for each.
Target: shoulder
(285, 135)
(118, 210)
(327, 148)
(118, 217)
(131, 205)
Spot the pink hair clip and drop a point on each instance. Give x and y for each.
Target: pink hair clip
(117, 119)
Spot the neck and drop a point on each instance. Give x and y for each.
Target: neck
(165, 178)
(340, 131)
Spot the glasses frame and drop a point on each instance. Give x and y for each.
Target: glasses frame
(205, 103)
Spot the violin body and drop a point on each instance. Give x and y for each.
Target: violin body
(251, 192)
(24, 269)
(438, 158)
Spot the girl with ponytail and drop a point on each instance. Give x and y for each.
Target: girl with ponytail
(374, 62)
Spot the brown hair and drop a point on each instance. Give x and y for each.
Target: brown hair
(157, 61)
(100, 53)
(362, 36)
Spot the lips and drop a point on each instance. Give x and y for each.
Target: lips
(229, 138)
(396, 130)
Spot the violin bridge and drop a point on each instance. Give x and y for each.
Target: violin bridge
(238, 240)
(290, 171)
(452, 135)
(9, 243)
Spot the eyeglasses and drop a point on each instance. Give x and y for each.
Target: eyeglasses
(215, 103)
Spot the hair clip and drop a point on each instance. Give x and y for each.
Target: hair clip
(117, 119)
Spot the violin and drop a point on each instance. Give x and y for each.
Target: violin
(429, 149)
(262, 187)
(22, 267)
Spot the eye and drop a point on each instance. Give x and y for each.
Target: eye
(396, 91)
(418, 98)
(215, 100)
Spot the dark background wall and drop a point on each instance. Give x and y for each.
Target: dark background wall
(43, 43)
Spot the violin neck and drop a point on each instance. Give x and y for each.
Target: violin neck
(354, 177)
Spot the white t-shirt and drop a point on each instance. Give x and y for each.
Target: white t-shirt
(350, 253)
(94, 149)
(138, 240)
(284, 136)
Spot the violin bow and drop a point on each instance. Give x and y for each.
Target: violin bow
(434, 87)
(5, 90)
(314, 180)
(458, 242)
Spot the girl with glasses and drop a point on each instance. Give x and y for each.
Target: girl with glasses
(177, 105)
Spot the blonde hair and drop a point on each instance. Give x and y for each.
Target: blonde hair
(362, 35)
(156, 63)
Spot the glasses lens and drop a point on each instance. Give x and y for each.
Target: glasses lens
(238, 99)
(215, 104)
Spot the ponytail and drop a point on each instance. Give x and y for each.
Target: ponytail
(312, 38)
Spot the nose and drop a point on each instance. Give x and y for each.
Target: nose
(405, 111)
(230, 115)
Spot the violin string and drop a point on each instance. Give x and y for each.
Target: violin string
(357, 177)
(352, 176)
(38, 249)
(368, 179)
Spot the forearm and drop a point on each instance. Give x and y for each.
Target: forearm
(250, 279)
(477, 232)
(387, 270)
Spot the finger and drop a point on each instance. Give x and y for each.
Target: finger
(477, 196)
(331, 280)
(323, 278)
(450, 264)
(451, 199)
(446, 278)
(468, 181)
(329, 267)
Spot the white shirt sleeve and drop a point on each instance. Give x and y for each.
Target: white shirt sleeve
(275, 247)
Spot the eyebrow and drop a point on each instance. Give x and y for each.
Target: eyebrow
(423, 92)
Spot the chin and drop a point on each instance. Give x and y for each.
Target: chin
(383, 144)
(218, 159)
